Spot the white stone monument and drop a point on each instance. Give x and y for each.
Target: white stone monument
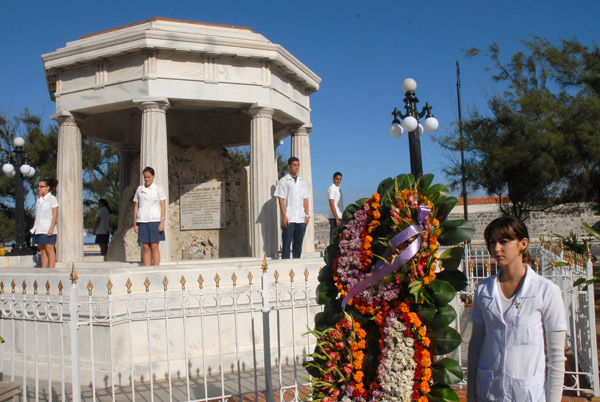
(143, 86)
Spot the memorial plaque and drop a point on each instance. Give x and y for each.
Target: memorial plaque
(202, 206)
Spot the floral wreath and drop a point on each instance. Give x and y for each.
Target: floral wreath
(385, 296)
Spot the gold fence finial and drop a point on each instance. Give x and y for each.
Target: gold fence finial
(24, 287)
(128, 285)
(147, 284)
(276, 275)
(90, 286)
(250, 276)
(200, 281)
(306, 274)
(35, 287)
(13, 285)
(165, 282)
(109, 286)
(182, 281)
(264, 265)
(2, 286)
(73, 277)
(217, 279)
(60, 288)
(47, 288)
(292, 275)
(234, 279)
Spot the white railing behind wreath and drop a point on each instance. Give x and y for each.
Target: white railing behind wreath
(563, 269)
(185, 341)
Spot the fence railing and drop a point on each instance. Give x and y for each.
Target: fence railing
(188, 340)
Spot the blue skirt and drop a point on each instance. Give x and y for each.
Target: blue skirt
(43, 239)
(148, 232)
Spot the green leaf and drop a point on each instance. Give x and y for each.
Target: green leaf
(446, 371)
(425, 182)
(446, 314)
(444, 207)
(591, 231)
(331, 253)
(451, 258)
(326, 292)
(326, 273)
(444, 340)
(455, 232)
(437, 193)
(349, 213)
(385, 186)
(424, 311)
(442, 292)
(442, 393)
(457, 279)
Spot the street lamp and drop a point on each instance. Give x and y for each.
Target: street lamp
(23, 169)
(410, 123)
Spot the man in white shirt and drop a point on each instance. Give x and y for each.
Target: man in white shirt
(336, 204)
(292, 196)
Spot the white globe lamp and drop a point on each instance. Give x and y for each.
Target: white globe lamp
(431, 124)
(396, 130)
(19, 141)
(409, 85)
(7, 168)
(410, 124)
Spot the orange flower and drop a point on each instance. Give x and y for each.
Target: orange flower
(376, 214)
(404, 308)
(414, 319)
(426, 375)
(425, 387)
(423, 399)
(426, 362)
(358, 376)
(376, 197)
(426, 281)
(435, 222)
(422, 331)
(425, 341)
(375, 205)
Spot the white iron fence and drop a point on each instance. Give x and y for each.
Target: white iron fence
(187, 341)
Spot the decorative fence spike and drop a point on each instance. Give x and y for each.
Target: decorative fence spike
(60, 288)
(73, 277)
(292, 275)
(24, 287)
(90, 286)
(109, 286)
(217, 279)
(147, 284)
(128, 284)
(200, 281)
(35, 287)
(306, 274)
(165, 282)
(2, 286)
(182, 281)
(553, 263)
(250, 278)
(47, 288)
(13, 285)
(264, 265)
(276, 275)
(234, 279)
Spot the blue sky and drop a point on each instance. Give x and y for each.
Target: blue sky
(362, 50)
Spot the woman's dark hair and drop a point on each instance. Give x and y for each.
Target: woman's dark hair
(510, 228)
(104, 203)
(50, 182)
(149, 170)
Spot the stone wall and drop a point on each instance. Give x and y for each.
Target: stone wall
(193, 165)
(561, 219)
(558, 220)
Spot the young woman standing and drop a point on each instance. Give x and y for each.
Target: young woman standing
(516, 352)
(44, 227)
(149, 217)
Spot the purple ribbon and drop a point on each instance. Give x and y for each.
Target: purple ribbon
(381, 269)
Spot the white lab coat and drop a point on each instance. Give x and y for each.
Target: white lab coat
(512, 361)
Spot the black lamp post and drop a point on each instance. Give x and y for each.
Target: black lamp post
(21, 161)
(411, 124)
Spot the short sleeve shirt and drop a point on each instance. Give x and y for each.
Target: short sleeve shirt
(148, 199)
(104, 216)
(335, 193)
(293, 192)
(43, 214)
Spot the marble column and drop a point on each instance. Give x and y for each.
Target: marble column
(301, 150)
(127, 155)
(69, 244)
(153, 153)
(263, 179)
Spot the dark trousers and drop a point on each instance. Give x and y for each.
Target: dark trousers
(293, 232)
(332, 226)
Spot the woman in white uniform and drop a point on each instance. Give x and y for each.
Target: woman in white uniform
(46, 216)
(516, 352)
(149, 212)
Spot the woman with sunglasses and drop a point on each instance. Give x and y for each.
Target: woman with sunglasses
(44, 228)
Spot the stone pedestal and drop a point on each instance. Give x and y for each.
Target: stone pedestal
(69, 246)
(154, 154)
(301, 150)
(263, 179)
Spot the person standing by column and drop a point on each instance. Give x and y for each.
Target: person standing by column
(102, 227)
(149, 217)
(44, 227)
(292, 196)
(336, 204)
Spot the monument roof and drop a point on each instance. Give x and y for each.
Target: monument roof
(179, 36)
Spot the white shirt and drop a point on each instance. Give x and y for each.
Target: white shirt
(293, 192)
(43, 214)
(148, 199)
(104, 216)
(335, 193)
(512, 361)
